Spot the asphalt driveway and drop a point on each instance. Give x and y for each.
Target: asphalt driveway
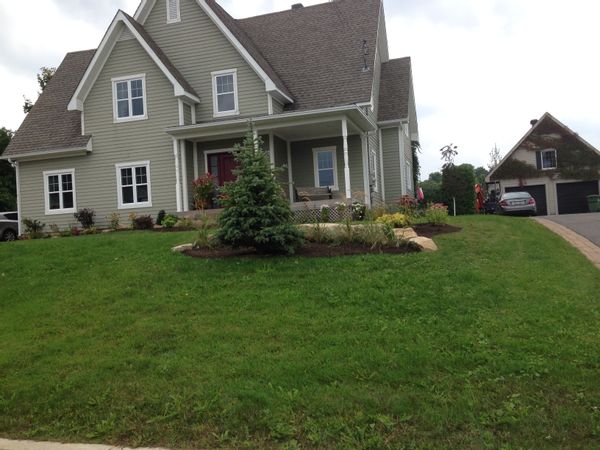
(587, 225)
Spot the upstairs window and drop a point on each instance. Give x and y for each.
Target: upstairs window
(325, 165)
(60, 191)
(173, 11)
(129, 94)
(549, 159)
(225, 96)
(134, 185)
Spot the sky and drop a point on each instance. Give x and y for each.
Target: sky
(482, 69)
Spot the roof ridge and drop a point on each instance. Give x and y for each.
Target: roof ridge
(291, 11)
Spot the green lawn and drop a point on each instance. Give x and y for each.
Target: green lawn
(492, 342)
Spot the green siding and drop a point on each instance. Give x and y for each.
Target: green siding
(187, 114)
(391, 164)
(197, 47)
(303, 164)
(113, 143)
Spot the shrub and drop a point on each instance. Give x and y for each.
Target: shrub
(257, 213)
(437, 214)
(186, 222)
(203, 190)
(325, 214)
(75, 231)
(457, 183)
(85, 217)
(397, 220)
(170, 221)
(359, 211)
(204, 239)
(143, 223)
(132, 219)
(114, 221)
(161, 216)
(408, 205)
(33, 228)
(319, 234)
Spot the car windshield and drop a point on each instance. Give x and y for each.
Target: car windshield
(514, 195)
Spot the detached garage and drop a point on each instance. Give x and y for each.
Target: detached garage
(555, 165)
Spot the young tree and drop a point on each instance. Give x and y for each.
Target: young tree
(8, 185)
(458, 184)
(43, 78)
(495, 158)
(449, 152)
(256, 214)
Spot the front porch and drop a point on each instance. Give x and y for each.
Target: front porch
(325, 151)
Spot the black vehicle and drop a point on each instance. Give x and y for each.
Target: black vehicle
(9, 226)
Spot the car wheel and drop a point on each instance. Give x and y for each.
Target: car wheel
(9, 236)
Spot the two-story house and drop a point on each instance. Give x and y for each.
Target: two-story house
(169, 92)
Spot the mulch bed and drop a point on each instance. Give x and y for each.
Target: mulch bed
(172, 230)
(309, 250)
(430, 231)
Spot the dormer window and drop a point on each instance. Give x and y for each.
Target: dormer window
(129, 98)
(225, 95)
(173, 11)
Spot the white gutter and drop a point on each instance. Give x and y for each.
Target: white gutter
(63, 152)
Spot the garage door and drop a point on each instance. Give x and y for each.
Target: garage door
(572, 197)
(538, 192)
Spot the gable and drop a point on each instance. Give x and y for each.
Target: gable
(576, 158)
(120, 23)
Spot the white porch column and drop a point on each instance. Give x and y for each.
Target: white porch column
(184, 177)
(381, 167)
(346, 159)
(196, 168)
(364, 137)
(402, 142)
(290, 175)
(272, 149)
(177, 175)
(18, 180)
(255, 135)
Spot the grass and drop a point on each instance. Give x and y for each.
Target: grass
(493, 342)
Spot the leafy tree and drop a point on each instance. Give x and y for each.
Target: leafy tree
(480, 174)
(458, 183)
(449, 152)
(8, 184)
(432, 188)
(43, 78)
(495, 158)
(256, 214)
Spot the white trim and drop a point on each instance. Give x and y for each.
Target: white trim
(270, 104)
(82, 123)
(193, 112)
(365, 163)
(290, 176)
(129, 79)
(48, 154)
(408, 171)
(59, 173)
(178, 19)
(213, 152)
(346, 158)
(18, 180)
(181, 112)
(196, 168)
(373, 152)
(382, 166)
(133, 166)
(272, 149)
(101, 56)
(178, 199)
(549, 150)
(316, 151)
(236, 110)
(184, 177)
(402, 150)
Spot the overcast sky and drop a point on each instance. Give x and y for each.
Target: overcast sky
(482, 68)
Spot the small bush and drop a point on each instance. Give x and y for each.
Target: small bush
(170, 221)
(161, 216)
(114, 221)
(85, 217)
(55, 230)
(186, 223)
(437, 214)
(143, 223)
(408, 205)
(205, 239)
(132, 218)
(319, 234)
(90, 231)
(75, 231)
(34, 228)
(203, 190)
(397, 220)
(359, 211)
(325, 214)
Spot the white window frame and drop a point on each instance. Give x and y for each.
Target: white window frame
(133, 166)
(316, 151)
(178, 19)
(128, 79)
(216, 112)
(373, 167)
(550, 150)
(56, 212)
(408, 172)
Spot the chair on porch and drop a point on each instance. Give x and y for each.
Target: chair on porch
(312, 194)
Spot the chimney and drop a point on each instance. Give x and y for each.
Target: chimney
(534, 122)
(296, 6)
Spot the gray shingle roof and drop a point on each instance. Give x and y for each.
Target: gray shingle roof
(49, 126)
(394, 90)
(318, 50)
(160, 54)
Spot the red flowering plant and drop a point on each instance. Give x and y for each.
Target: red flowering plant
(203, 191)
(408, 205)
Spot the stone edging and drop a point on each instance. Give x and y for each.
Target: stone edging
(585, 246)
(6, 444)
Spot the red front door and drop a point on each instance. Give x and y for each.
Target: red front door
(221, 166)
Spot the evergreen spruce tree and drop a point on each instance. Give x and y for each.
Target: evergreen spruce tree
(256, 213)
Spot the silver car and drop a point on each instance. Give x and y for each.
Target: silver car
(9, 226)
(517, 203)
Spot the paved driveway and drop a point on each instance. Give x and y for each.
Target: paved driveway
(587, 225)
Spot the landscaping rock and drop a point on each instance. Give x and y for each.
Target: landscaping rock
(183, 248)
(425, 244)
(405, 233)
